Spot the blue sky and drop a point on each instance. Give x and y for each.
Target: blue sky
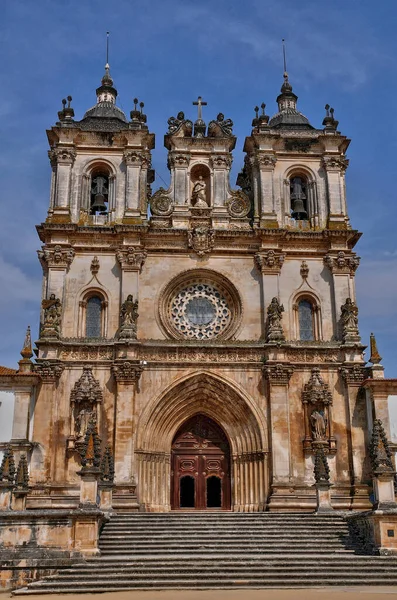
(167, 52)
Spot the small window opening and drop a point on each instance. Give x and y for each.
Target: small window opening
(99, 194)
(305, 313)
(298, 195)
(94, 317)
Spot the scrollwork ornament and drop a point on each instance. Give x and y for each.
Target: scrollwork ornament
(65, 156)
(279, 373)
(131, 257)
(335, 163)
(56, 256)
(269, 261)
(161, 204)
(127, 371)
(267, 160)
(239, 205)
(49, 371)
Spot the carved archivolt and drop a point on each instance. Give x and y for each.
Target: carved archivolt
(200, 304)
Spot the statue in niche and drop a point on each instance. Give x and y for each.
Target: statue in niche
(82, 420)
(349, 320)
(274, 315)
(319, 425)
(199, 194)
(52, 317)
(128, 318)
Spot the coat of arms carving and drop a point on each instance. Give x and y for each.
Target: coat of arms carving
(201, 239)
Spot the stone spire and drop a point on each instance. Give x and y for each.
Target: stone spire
(26, 365)
(288, 116)
(106, 92)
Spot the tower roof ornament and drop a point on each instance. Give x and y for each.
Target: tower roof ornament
(199, 125)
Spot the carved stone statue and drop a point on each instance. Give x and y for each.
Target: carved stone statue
(128, 318)
(199, 194)
(82, 421)
(319, 425)
(52, 317)
(274, 328)
(349, 321)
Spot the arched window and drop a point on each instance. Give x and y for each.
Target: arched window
(306, 320)
(99, 197)
(93, 317)
(299, 197)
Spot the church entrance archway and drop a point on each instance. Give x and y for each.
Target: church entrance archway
(200, 466)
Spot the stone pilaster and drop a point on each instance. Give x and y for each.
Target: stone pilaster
(127, 375)
(269, 263)
(131, 260)
(63, 158)
(266, 165)
(335, 167)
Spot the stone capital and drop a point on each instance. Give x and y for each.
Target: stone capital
(221, 161)
(58, 257)
(131, 258)
(342, 263)
(278, 374)
(127, 371)
(266, 162)
(176, 160)
(335, 163)
(133, 158)
(64, 156)
(49, 371)
(353, 374)
(269, 261)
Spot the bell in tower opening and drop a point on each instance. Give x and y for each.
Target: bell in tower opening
(298, 199)
(99, 194)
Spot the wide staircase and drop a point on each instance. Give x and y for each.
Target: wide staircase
(221, 550)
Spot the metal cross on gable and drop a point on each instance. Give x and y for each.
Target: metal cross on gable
(199, 103)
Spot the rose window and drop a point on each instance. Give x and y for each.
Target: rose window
(200, 311)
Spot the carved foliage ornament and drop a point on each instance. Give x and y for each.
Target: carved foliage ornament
(201, 239)
(56, 256)
(64, 156)
(321, 467)
(49, 371)
(239, 205)
(379, 450)
(90, 448)
(161, 204)
(316, 390)
(107, 466)
(131, 257)
(178, 160)
(141, 159)
(353, 374)
(335, 163)
(7, 467)
(22, 474)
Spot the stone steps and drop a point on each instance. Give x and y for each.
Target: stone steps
(221, 551)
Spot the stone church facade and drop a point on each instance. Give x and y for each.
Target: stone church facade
(209, 333)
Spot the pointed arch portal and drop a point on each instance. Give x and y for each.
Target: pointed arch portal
(241, 429)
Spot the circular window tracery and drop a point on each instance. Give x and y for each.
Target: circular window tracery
(200, 305)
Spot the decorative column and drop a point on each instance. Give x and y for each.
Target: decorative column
(131, 260)
(335, 167)
(266, 165)
(42, 466)
(64, 159)
(343, 267)
(7, 476)
(269, 263)
(323, 485)
(127, 375)
(221, 165)
(137, 165)
(56, 261)
(178, 163)
(353, 376)
(278, 376)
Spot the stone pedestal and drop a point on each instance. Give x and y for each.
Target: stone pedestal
(106, 496)
(86, 531)
(323, 495)
(89, 487)
(18, 500)
(5, 495)
(384, 492)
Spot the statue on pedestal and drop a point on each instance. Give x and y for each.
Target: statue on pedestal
(274, 328)
(349, 321)
(52, 317)
(128, 318)
(199, 195)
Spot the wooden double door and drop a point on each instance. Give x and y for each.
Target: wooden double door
(200, 468)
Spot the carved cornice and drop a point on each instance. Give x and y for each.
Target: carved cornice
(269, 261)
(63, 156)
(341, 263)
(131, 258)
(335, 163)
(127, 372)
(60, 257)
(278, 374)
(49, 371)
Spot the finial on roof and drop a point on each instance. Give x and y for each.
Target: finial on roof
(329, 122)
(138, 118)
(375, 357)
(67, 112)
(26, 351)
(106, 92)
